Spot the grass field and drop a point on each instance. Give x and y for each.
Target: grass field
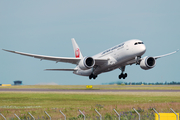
(37, 102)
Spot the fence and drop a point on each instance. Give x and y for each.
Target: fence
(158, 116)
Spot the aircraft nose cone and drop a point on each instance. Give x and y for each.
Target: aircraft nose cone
(143, 49)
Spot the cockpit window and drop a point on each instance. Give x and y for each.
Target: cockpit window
(138, 43)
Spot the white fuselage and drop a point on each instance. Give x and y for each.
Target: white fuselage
(118, 56)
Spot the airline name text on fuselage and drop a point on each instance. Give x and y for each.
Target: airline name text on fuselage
(111, 49)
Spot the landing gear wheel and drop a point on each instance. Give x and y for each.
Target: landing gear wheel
(122, 75)
(119, 76)
(125, 75)
(95, 76)
(92, 76)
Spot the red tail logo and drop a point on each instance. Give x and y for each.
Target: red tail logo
(77, 53)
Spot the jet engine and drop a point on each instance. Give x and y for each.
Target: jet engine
(86, 63)
(147, 63)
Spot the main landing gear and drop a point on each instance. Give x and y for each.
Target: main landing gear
(92, 76)
(122, 75)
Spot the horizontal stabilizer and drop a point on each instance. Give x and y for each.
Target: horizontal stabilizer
(61, 69)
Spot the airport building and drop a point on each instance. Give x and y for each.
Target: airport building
(17, 82)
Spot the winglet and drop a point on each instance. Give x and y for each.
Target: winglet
(9, 50)
(76, 48)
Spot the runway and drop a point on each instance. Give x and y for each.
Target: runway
(82, 90)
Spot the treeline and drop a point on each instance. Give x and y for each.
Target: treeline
(144, 83)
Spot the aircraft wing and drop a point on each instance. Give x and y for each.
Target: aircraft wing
(156, 57)
(61, 69)
(52, 58)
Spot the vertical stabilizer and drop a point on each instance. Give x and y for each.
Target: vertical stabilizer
(76, 49)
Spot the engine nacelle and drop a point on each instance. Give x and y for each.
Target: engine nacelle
(86, 63)
(147, 63)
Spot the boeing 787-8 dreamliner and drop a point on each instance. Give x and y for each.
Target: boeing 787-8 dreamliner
(119, 56)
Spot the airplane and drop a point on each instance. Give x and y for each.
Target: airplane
(119, 56)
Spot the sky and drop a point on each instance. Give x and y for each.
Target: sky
(46, 27)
